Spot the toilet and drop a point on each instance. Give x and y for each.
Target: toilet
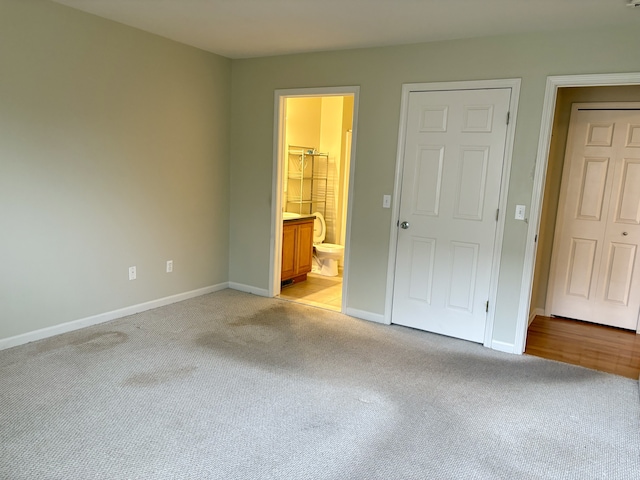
(326, 255)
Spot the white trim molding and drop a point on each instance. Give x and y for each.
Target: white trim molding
(105, 317)
(275, 244)
(503, 346)
(510, 83)
(544, 143)
(365, 315)
(262, 292)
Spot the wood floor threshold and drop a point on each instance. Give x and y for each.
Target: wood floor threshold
(589, 345)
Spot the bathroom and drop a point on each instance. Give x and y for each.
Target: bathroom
(317, 134)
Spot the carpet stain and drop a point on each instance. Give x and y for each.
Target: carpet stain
(100, 341)
(268, 327)
(276, 316)
(284, 336)
(158, 377)
(267, 339)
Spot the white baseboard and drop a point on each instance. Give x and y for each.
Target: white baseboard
(535, 313)
(263, 292)
(503, 347)
(364, 315)
(105, 317)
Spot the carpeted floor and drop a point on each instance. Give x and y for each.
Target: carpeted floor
(235, 386)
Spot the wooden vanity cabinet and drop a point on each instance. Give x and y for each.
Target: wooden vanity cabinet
(297, 249)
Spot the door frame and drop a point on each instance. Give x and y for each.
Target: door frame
(553, 278)
(279, 130)
(407, 88)
(542, 159)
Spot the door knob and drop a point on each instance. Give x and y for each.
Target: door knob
(625, 233)
(404, 225)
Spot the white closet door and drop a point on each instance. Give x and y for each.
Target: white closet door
(595, 270)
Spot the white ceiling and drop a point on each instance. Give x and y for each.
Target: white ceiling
(253, 28)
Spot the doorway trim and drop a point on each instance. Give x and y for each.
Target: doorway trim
(275, 258)
(407, 88)
(542, 158)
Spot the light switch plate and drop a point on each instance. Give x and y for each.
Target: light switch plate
(521, 211)
(386, 201)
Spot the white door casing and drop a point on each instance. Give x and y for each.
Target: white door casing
(275, 247)
(595, 268)
(454, 151)
(539, 176)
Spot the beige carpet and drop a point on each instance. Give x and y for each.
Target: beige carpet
(234, 386)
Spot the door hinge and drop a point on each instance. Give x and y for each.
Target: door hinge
(508, 117)
(497, 214)
(487, 309)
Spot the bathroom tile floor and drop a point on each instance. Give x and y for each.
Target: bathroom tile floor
(317, 290)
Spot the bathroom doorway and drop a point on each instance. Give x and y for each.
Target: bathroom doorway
(314, 152)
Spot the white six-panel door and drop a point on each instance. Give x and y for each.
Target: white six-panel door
(454, 149)
(595, 269)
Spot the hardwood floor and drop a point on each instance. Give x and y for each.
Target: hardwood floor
(607, 349)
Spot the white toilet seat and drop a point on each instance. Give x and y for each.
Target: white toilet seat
(329, 248)
(319, 228)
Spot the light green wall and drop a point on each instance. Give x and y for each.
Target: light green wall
(566, 98)
(380, 73)
(114, 151)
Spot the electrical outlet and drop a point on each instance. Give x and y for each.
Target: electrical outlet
(132, 273)
(169, 266)
(520, 212)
